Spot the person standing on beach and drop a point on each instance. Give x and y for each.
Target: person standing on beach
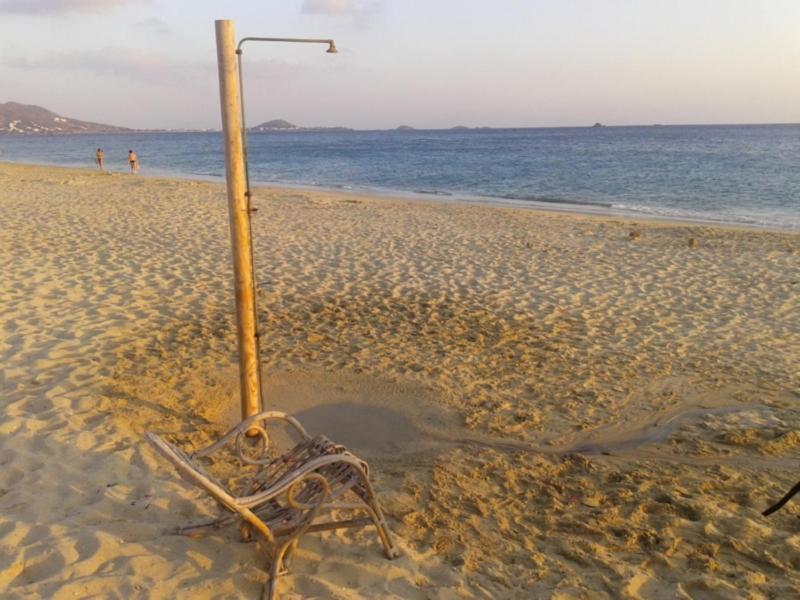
(133, 161)
(99, 158)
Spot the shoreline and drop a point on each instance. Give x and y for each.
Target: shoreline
(558, 206)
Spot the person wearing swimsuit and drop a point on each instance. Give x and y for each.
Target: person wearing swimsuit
(133, 161)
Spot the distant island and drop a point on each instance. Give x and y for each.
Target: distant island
(29, 119)
(282, 125)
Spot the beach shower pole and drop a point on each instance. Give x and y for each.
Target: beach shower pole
(239, 214)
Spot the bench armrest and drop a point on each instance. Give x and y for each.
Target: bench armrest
(257, 422)
(312, 466)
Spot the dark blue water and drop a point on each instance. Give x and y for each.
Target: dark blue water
(735, 174)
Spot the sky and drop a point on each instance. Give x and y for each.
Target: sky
(423, 63)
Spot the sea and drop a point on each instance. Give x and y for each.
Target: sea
(732, 174)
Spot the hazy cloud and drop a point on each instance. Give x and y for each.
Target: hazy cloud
(41, 7)
(157, 69)
(156, 26)
(360, 10)
(121, 62)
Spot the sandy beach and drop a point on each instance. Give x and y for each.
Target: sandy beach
(551, 406)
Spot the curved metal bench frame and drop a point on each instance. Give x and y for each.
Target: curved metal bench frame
(287, 493)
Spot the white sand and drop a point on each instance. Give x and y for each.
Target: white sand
(572, 413)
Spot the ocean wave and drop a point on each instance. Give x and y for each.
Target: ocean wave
(433, 192)
(551, 200)
(776, 220)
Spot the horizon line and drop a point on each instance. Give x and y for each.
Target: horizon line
(401, 128)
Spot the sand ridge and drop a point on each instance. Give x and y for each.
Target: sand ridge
(529, 354)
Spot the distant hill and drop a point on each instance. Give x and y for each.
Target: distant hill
(404, 128)
(274, 125)
(282, 125)
(27, 119)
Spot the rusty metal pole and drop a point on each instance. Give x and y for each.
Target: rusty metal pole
(239, 212)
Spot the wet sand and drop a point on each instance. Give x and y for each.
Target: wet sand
(551, 407)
